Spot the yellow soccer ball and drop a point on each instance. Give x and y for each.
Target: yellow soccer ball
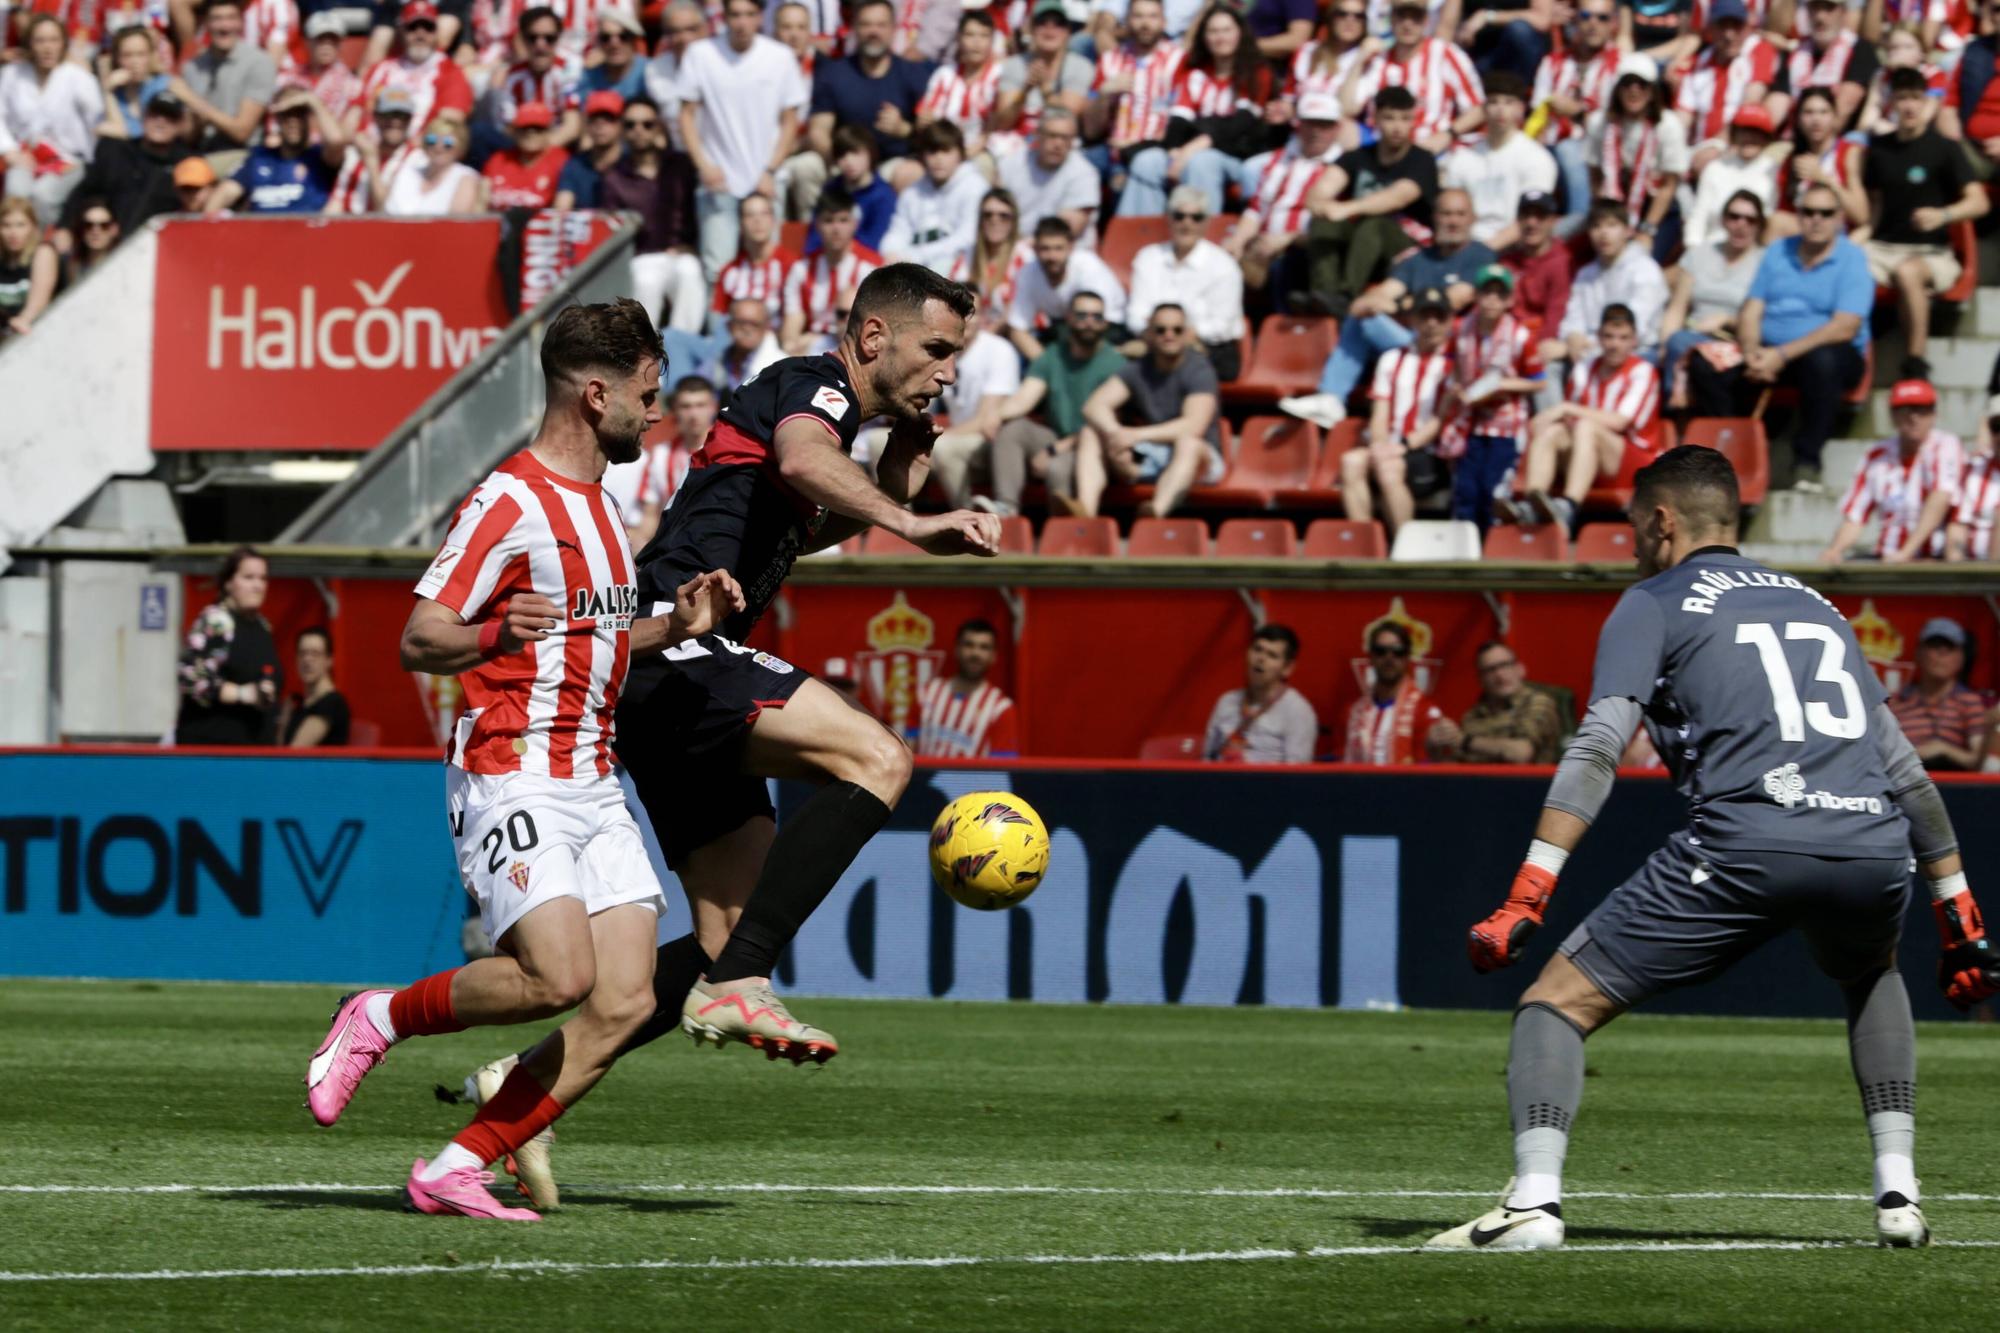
(989, 850)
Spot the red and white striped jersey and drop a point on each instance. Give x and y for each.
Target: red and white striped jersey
(1896, 489)
(976, 725)
(1438, 74)
(350, 188)
(432, 84)
(814, 286)
(1141, 115)
(1806, 68)
(1279, 202)
(1711, 94)
(667, 465)
(1198, 93)
(1509, 351)
(555, 89)
(1978, 498)
(547, 710)
(1562, 74)
(1631, 391)
(1840, 160)
(271, 21)
(965, 102)
(1409, 381)
(493, 25)
(1002, 295)
(747, 279)
(1305, 78)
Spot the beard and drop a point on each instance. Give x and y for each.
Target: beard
(623, 444)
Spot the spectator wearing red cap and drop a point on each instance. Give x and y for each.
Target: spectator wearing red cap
(227, 87)
(435, 182)
(1275, 219)
(1831, 56)
(434, 82)
(525, 175)
(742, 99)
(1919, 185)
(541, 77)
(621, 42)
(1910, 482)
(1747, 166)
(582, 179)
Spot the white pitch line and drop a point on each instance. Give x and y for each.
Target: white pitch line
(557, 1266)
(1218, 1192)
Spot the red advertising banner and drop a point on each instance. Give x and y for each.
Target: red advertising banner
(314, 333)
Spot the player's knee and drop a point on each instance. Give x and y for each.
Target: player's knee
(888, 766)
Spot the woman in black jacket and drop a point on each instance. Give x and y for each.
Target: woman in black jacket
(229, 673)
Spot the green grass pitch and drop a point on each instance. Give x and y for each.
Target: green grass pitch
(1225, 1170)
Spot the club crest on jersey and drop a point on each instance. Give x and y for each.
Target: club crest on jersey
(517, 875)
(610, 608)
(830, 401)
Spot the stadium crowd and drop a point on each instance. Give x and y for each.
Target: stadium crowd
(1546, 228)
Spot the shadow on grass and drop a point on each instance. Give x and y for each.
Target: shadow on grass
(1407, 1229)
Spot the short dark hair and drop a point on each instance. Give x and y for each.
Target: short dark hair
(537, 14)
(1283, 635)
(1395, 627)
(890, 5)
(1489, 646)
(613, 336)
(642, 99)
(976, 625)
(1907, 80)
(1396, 98)
(691, 384)
(1748, 197)
(1696, 482)
(1053, 226)
(1085, 295)
(938, 135)
(835, 198)
(899, 292)
(1602, 209)
(978, 16)
(1505, 83)
(1168, 305)
(852, 138)
(1618, 313)
(139, 30)
(320, 632)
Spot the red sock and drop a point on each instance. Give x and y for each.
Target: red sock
(423, 1008)
(519, 1111)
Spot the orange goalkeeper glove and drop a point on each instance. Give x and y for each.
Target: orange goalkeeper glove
(1969, 971)
(1498, 940)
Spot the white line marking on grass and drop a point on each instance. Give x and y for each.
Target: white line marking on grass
(559, 1267)
(1217, 1192)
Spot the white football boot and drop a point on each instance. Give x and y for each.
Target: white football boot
(1506, 1229)
(1899, 1223)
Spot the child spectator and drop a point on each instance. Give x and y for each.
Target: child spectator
(1612, 410)
(1495, 370)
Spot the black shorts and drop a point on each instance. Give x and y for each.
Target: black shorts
(681, 738)
(1689, 913)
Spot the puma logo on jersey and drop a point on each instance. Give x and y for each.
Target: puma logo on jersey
(619, 602)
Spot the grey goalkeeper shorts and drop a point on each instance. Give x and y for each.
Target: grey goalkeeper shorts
(1689, 913)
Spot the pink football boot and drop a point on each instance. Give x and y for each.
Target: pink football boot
(462, 1193)
(353, 1046)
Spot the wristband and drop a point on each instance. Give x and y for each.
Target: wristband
(1548, 856)
(1949, 887)
(489, 640)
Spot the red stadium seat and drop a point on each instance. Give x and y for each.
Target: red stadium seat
(1080, 536)
(1322, 489)
(1285, 359)
(1169, 537)
(1256, 539)
(1965, 245)
(881, 541)
(1272, 454)
(1017, 536)
(1345, 539)
(1742, 441)
(1509, 542)
(1604, 543)
(1125, 237)
(1171, 747)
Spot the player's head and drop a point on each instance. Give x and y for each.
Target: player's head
(602, 364)
(1389, 650)
(1274, 651)
(904, 333)
(312, 651)
(693, 405)
(1681, 501)
(1617, 333)
(1501, 675)
(977, 645)
(245, 578)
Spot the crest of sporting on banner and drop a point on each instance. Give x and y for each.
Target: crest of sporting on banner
(898, 661)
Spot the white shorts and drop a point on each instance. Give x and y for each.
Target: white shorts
(524, 840)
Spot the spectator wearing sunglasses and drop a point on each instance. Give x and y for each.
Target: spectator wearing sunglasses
(1391, 721)
(1709, 287)
(135, 176)
(656, 182)
(618, 39)
(1514, 722)
(297, 176)
(435, 181)
(97, 233)
(433, 81)
(541, 77)
(1197, 274)
(1154, 421)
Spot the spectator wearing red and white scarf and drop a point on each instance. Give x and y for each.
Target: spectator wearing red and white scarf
(1408, 414)
(1390, 723)
(1275, 219)
(1613, 411)
(1638, 150)
(964, 92)
(1831, 56)
(1496, 369)
(1736, 67)
(434, 81)
(1135, 83)
(1911, 482)
(1440, 75)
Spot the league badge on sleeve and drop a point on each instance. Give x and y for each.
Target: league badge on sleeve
(830, 401)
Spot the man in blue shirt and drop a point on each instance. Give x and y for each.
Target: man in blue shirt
(1805, 324)
(294, 177)
(870, 87)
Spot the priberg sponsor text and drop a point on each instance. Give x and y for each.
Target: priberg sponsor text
(305, 335)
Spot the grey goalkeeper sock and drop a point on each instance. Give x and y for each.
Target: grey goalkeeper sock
(1882, 1042)
(1544, 1088)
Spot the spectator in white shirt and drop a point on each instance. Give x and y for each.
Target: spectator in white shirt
(1198, 275)
(1050, 178)
(741, 99)
(989, 372)
(1267, 721)
(937, 218)
(682, 25)
(1503, 165)
(1746, 167)
(50, 109)
(1042, 293)
(1623, 273)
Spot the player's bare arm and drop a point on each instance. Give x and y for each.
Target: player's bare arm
(700, 606)
(811, 466)
(438, 641)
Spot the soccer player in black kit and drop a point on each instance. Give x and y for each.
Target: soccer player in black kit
(1805, 803)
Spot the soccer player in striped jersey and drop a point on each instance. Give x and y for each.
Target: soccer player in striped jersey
(1911, 481)
(965, 716)
(1407, 416)
(533, 602)
(1613, 408)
